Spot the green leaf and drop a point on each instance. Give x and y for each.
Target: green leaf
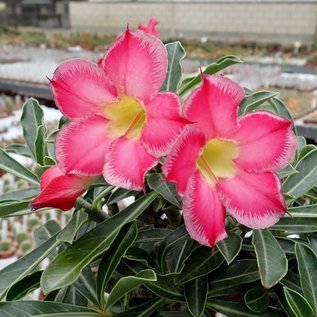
(299, 305)
(270, 257)
(252, 101)
(32, 121)
(237, 273)
(119, 194)
(158, 183)
(112, 257)
(307, 264)
(230, 247)
(200, 262)
(175, 54)
(175, 238)
(306, 149)
(305, 211)
(296, 225)
(24, 286)
(68, 234)
(18, 149)
(234, 309)
(19, 195)
(22, 267)
(287, 171)
(291, 280)
(128, 283)
(305, 179)
(66, 267)
(196, 292)
(213, 68)
(152, 235)
(46, 231)
(257, 299)
(44, 309)
(10, 165)
(279, 107)
(8, 208)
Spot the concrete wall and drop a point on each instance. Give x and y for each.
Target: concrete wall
(266, 21)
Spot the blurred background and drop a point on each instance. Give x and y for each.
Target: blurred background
(276, 39)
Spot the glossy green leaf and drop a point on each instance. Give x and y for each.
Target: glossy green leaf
(10, 165)
(257, 299)
(291, 280)
(236, 309)
(46, 231)
(280, 108)
(296, 225)
(305, 211)
(252, 101)
(128, 283)
(112, 257)
(306, 149)
(66, 267)
(287, 171)
(213, 68)
(196, 292)
(152, 235)
(175, 54)
(24, 266)
(299, 305)
(200, 262)
(119, 194)
(230, 247)
(167, 189)
(44, 309)
(68, 234)
(9, 208)
(307, 264)
(237, 273)
(23, 194)
(306, 178)
(18, 149)
(24, 286)
(270, 257)
(32, 121)
(40, 145)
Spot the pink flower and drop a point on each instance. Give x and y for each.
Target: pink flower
(222, 162)
(120, 124)
(59, 190)
(150, 28)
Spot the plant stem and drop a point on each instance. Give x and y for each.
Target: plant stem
(101, 195)
(93, 213)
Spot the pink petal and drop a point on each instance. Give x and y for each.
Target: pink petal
(214, 106)
(59, 190)
(164, 123)
(180, 164)
(81, 145)
(203, 212)
(136, 63)
(266, 142)
(255, 200)
(150, 28)
(81, 87)
(127, 162)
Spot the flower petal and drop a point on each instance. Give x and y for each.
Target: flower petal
(150, 28)
(127, 162)
(180, 164)
(81, 87)
(59, 190)
(203, 212)
(136, 64)
(255, 200)
(81, 145)
(214, 106)
(266, 142)
(163, 123)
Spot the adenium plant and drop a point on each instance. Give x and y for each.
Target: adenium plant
(223, 210)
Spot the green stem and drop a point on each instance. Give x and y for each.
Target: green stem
(93, 213)
(101, 195)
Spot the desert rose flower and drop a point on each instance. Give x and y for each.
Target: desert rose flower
(222, 162)
(150, 28)
(120, 124)
(59, 190)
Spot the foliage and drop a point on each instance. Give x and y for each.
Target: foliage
(140, 261)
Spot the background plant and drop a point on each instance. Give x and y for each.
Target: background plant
(140, 261)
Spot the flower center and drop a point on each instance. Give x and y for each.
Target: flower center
(216, 160)
(127, 118)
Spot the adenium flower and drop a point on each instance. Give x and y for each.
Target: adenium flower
(120, 124)
(150, 28)
(59, 190)
(222, 162)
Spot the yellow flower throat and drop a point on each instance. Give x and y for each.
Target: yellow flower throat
(127, 118)
(216, 160)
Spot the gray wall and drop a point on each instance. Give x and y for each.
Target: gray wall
(266, 21)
